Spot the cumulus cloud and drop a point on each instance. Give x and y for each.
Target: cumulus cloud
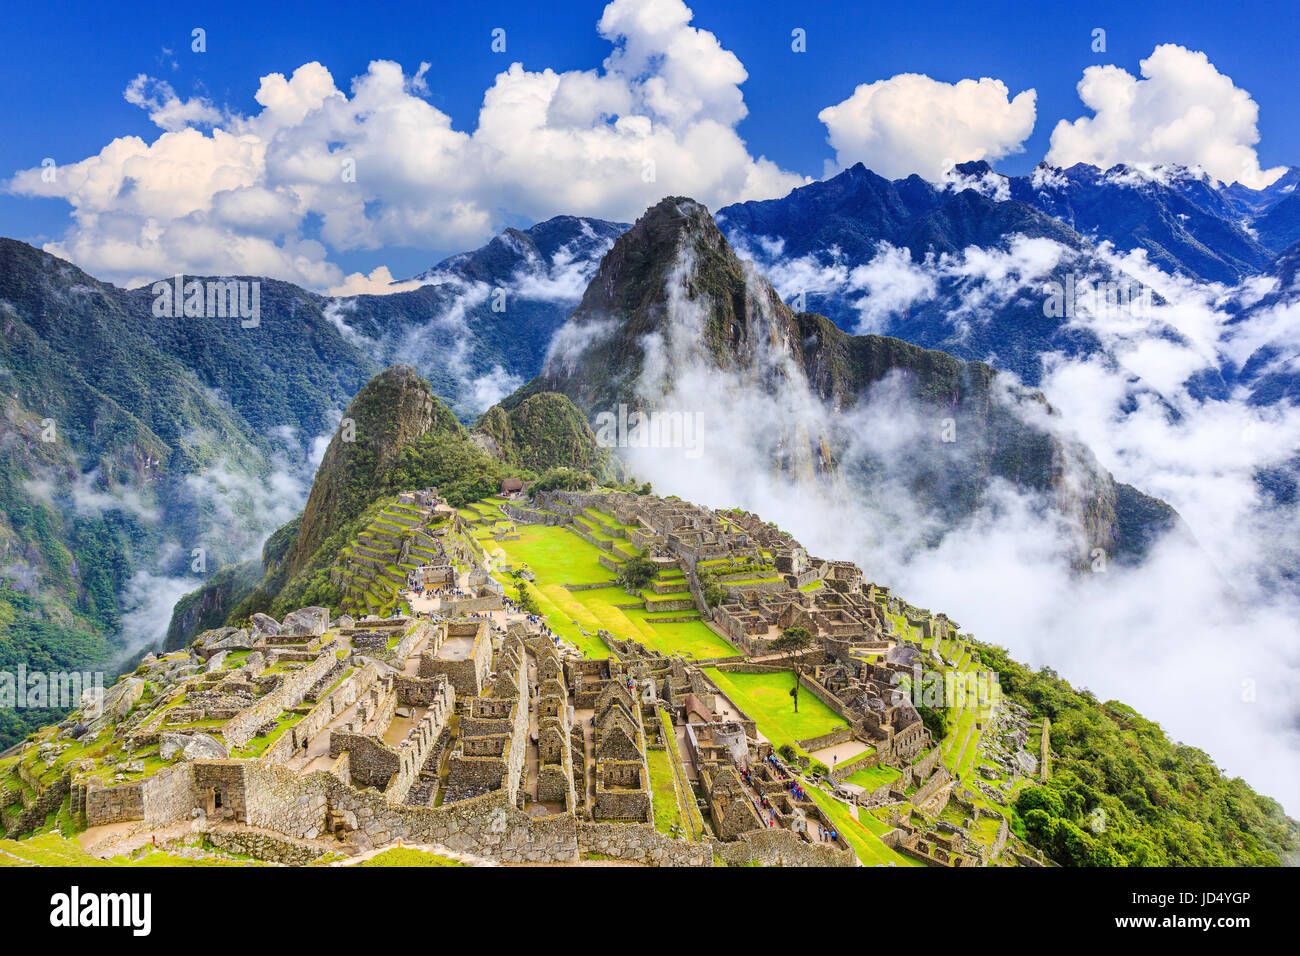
(167, 110)
(377, 164)
(380, 281)
(1181, 111)
(911, 123)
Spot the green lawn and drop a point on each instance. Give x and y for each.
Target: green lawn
(667, 810)
(874, 777)
(555, 555)
(558, 557)
(50, 849)
(766, 698)
(863, 834)
(406, 856)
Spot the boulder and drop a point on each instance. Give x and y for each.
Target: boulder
(346, 620)
(216, 661)
(238, 640)
(172, 744)
(307, 621)
(263, 625)
(209, 638)
(120, 698)
(204, 747)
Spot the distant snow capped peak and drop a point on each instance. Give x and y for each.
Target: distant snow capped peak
(980, 177)
(1046, 177)
(1171, 175)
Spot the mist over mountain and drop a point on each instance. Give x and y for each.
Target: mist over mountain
(674, 316)
(840, 438)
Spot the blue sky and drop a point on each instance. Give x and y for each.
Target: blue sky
(67, 68)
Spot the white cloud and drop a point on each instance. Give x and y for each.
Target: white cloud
(911, 123)
(1182, 111)
(658, 117)
(891, 283)
(167, 110)
(380, 281)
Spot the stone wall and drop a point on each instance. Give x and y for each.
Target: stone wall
(278, 799)
(169, 795)
(461, 607)
(777, 846)
(243, 727)
(827, 740)
(50, 799)
(468, 675)
(939, 779)
(925, 766)
(531, 516)
(114, 804)
(641, 843)
(263, 846)
(330, 706)
(402, 649)
(822, 694)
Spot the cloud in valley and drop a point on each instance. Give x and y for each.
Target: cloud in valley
(1179, 637)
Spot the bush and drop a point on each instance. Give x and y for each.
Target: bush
(563, 479)
(636, 572)
(793, 639)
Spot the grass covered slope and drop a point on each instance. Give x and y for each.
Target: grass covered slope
(400, 437)
(1161, 803)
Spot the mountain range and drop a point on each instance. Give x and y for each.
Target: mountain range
(146, 456)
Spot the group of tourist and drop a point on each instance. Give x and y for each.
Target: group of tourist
(538, 624)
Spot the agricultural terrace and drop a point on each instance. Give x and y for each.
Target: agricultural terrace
(557, 556)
